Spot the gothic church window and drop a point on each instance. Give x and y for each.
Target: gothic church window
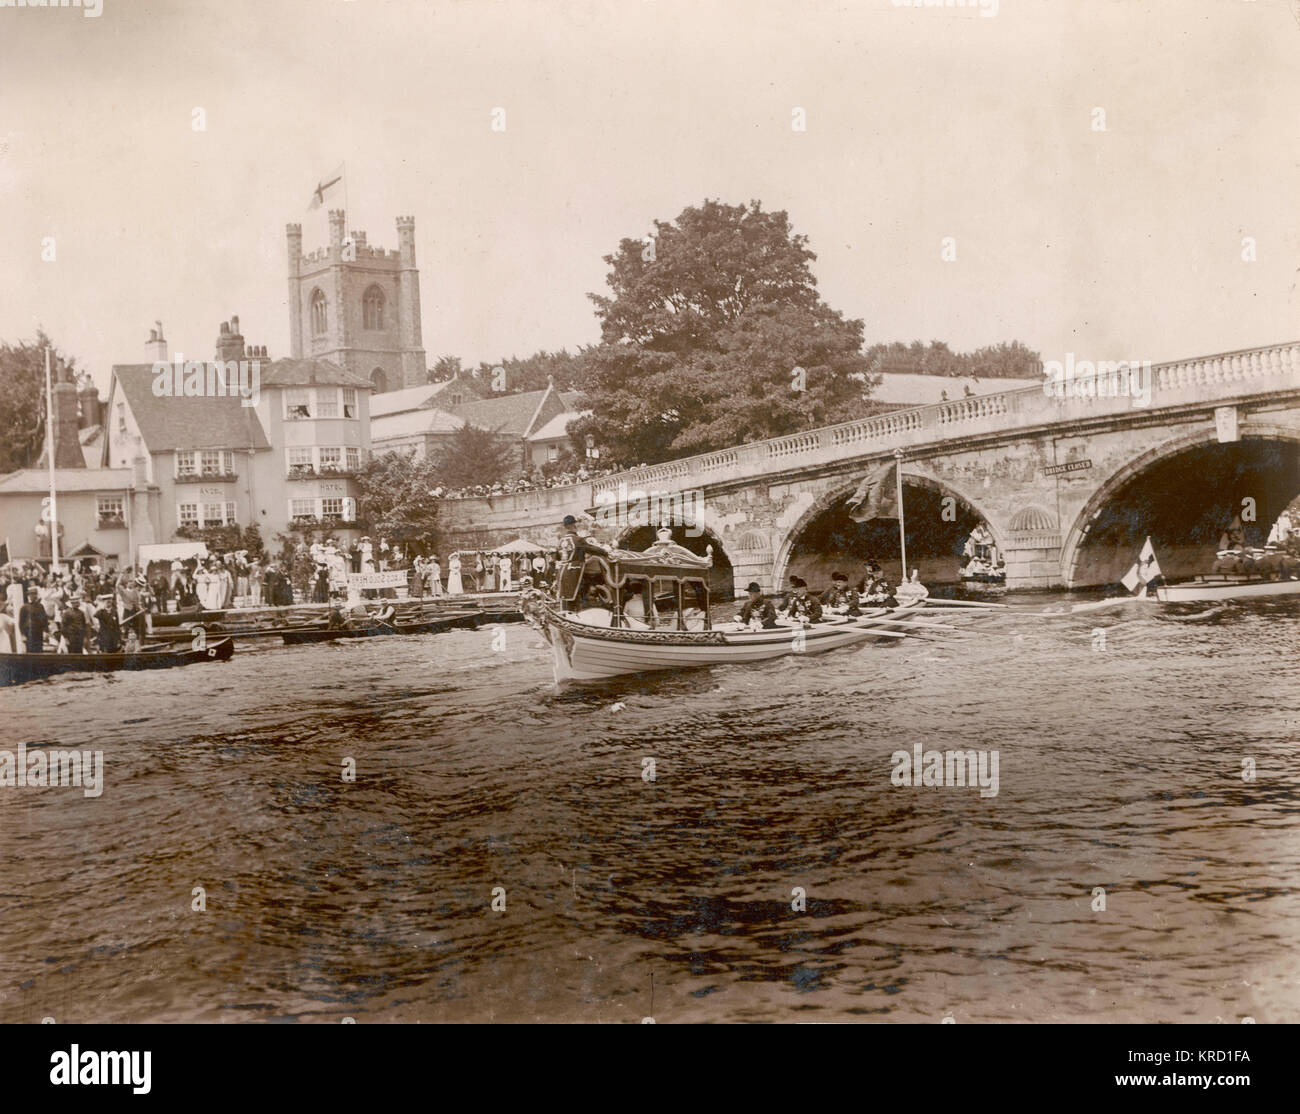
(319, 319)
(372, 306)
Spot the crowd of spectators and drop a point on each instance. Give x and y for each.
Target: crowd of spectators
(534, 481)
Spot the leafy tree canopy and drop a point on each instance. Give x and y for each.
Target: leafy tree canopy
(530, 373)
(395, 498)
(473, 456)
(22, 399)
(703, 336)
(995, 361)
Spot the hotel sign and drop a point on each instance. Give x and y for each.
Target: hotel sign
(1072, 466)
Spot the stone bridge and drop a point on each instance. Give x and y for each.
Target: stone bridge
(1068, 486)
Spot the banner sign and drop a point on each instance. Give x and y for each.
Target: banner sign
(1073, 466)
(395, 579)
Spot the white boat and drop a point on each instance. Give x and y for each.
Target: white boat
(613, 637)
(1206, 588)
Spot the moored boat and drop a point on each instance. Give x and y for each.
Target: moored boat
(15, 668)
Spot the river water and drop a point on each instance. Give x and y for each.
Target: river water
(1120, 768)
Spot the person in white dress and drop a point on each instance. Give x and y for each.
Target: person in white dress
(433, 571)
(367, 556)
(505, 573)
(454, 587)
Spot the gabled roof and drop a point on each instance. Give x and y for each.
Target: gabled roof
(289, 372)
(556, 427)
(512, 415)
(186, 423)
(37, 480)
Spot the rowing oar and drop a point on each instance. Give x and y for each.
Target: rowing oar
(932, 601)
(910, 623)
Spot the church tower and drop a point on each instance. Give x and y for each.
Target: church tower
(358, 306)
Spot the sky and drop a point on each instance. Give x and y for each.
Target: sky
(929, 131)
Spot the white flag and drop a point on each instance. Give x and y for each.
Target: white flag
(1147, 559)
(331, 181)
(1132, 578)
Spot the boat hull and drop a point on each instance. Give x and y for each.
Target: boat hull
(1207, 589)
(582, 652)
(17, 668)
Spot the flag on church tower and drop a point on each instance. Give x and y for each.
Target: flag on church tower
(331, 181)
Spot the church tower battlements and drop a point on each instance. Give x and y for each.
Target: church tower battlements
(358, 306)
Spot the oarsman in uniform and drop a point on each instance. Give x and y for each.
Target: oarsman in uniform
(1231, 555)
(756, 607)
(33, 622)
(840, 595)
(108, 632)
(802, 607)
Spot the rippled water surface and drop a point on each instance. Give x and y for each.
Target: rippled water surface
(626, 898)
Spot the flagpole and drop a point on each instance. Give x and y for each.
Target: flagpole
(49, 449)
(902, 530)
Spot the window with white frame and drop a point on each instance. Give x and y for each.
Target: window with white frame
(331, 506)
(210, 462)
(552, 453)
(108, 506)
(299, 457)
(354, 459)
(302, 508)
(327, 402)
(331, 459)
(218, 514)
(185, 462)
(349, 402)
(297, 403)
(187, 514)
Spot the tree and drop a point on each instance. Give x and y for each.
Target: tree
(444, 369)
(473, 456)
(995, 361)
(715, 334)
(396, 500)
(531, 373)
(22, 399)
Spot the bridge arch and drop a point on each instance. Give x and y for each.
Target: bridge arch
(1122, 483)
(834, 497)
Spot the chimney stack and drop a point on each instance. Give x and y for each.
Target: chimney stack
(155, 348)
(67, 445)
(230, 343)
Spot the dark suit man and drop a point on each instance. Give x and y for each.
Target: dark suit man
(33, 622)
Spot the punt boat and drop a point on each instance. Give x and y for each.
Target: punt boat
(15, 668)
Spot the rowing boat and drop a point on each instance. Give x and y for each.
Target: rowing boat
(582, 651)
(1207, 588)
(619, 611)
(304, 636)
(15, 668)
